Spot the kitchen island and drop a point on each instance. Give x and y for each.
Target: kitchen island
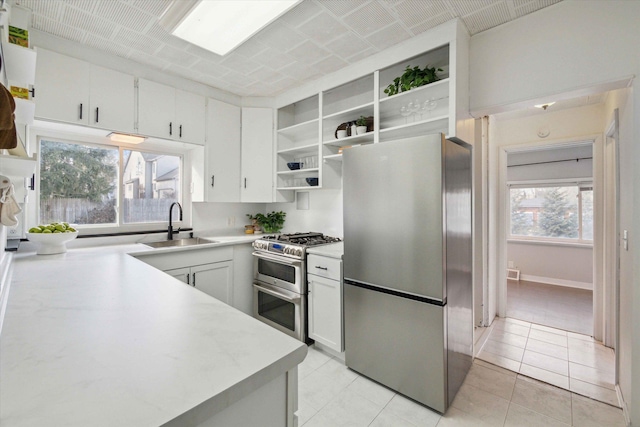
(95, 337)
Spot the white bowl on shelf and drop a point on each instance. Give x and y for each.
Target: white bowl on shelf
(51, 243)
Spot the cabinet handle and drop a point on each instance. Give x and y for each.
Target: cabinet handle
(245, 183)
(194, 280)
(170, 128)
(97, 114)
(33, 92)
(321, 268)
(213, 180)
(188, 279)
(180, 131)
(80, 111)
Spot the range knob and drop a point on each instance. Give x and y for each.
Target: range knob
(299, 252)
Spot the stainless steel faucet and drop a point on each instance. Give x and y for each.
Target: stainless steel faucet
(170, 228)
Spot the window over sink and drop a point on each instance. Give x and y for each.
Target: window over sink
(100, 186)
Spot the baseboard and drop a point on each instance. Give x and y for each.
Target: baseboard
(329, 351)
(480, 339)
(625, 408)
(557, 282)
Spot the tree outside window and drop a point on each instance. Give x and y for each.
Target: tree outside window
(552, 212)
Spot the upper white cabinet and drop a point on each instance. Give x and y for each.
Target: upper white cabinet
(257, 155)
(170, 113)
(73, 91)
(190, 117)
(156, 109)
(111, 99)
(222, 150)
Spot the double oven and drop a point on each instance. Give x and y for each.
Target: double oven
(280, 281)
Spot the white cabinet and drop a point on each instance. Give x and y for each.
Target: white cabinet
(170, 113)
(190, 117)
(62, 88)
(214, 279)
(257, 155)
(325, 301)
(73, 91)
(209, 269)
(111, 100)
(222, 152)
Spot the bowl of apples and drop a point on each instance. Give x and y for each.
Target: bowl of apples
(52, 238)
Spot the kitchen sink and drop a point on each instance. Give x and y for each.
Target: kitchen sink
(180, 242)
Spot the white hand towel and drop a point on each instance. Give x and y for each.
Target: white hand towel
(9, 207)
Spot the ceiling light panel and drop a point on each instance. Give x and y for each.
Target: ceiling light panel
(221, 25)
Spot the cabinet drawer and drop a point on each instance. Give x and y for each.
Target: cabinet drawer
(330, 268)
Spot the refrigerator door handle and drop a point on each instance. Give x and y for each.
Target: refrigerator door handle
(396, 293)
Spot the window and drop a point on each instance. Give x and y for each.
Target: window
(102, 185)
(559, 213)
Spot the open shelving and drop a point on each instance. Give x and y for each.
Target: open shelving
(309, 127)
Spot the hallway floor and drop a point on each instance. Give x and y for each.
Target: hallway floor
(330, 395)
(569, 309)
(567, 360)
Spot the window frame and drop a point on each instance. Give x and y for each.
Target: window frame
(147, 147)
(582, 185)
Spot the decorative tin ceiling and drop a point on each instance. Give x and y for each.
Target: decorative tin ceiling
(315, 38)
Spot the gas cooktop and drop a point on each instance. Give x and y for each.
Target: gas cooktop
(292, 245)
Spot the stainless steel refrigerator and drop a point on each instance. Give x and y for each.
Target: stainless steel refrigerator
(407, 265)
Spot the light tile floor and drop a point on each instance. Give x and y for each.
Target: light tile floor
(332, 395)
(567, 360)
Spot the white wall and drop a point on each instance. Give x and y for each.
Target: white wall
(571, 47)
(324, 214)
(214, 218)
(553, 264)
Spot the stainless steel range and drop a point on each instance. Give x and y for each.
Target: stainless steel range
(280, 280)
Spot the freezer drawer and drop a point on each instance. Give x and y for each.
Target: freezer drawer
(398, 342)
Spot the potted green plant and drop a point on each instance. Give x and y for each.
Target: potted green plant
(271, 222)
(361, 125)
(413, 77)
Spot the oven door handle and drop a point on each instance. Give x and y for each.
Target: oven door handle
(279, 260)
(278, 292)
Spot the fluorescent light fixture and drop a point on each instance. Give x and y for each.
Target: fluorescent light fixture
(126, 138)
(544, 106)
(222, 25)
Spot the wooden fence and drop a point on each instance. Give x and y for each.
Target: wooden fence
(83, 211)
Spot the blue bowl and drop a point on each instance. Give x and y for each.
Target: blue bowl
(294, 165)
(312, 182)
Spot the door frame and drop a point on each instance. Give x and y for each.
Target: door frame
(499, 279)
(611, 256)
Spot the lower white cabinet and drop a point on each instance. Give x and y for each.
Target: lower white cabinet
(325, 308)
(215, 279)
(209, 269)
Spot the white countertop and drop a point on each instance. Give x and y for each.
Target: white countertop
(95, 337)
(332, 250)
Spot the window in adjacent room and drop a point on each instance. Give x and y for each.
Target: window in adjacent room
(557, 213)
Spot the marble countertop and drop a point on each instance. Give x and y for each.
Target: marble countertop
(95, 337)
(332, 250)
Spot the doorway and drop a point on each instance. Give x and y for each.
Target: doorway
(549, 227)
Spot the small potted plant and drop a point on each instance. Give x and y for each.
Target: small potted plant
(413, 77)
(361, 125)
(271, 222)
